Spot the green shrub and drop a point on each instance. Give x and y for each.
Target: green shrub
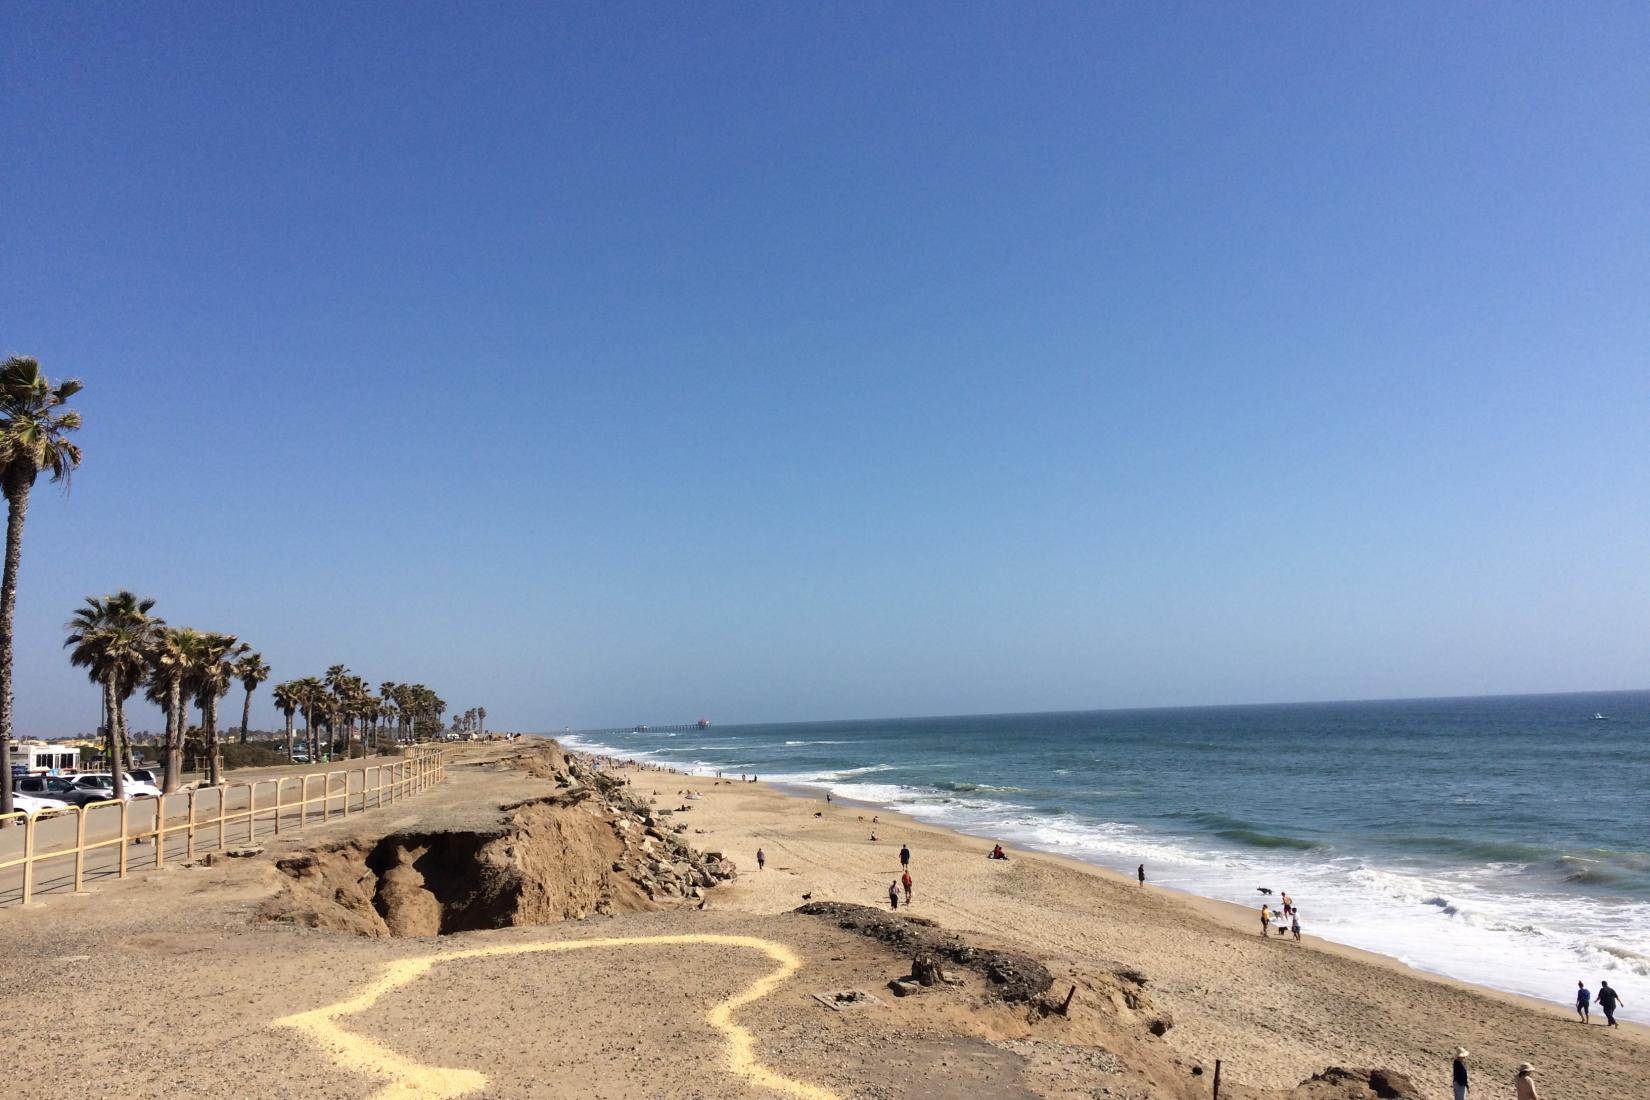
(250, 755)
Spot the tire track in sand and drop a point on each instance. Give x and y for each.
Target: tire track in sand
(416, 1081)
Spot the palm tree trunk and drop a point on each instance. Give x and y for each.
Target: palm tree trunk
(288, 737)
(17, 507)
(111, 723)
(209, 734)
(125, 732)
(246, 714)
(174, 736)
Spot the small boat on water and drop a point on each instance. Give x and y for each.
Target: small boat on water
(1600, 717)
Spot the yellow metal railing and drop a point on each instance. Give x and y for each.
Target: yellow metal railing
(380, 783)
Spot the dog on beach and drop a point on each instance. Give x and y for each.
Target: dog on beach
(1264, 890)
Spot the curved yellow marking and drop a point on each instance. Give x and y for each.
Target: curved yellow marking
(416, 1081)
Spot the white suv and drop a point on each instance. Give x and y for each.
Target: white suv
(106, 781)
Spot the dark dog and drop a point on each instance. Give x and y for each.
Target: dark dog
(1264, 890)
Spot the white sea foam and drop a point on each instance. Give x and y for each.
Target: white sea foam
(1480, 922)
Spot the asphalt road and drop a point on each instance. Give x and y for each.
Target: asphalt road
(221, 821)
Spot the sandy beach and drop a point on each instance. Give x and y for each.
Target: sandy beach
(527, 929)
(1272, 1010)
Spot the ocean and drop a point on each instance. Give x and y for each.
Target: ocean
(1504, 841)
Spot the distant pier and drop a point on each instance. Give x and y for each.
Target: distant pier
(685, 727)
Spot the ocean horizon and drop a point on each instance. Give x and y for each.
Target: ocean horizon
(1502, 840)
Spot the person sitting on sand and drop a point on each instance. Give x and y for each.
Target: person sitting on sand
(893, 895)
(1265, 919)
(1525, 1084)
(1458, 1073)
(997, 853)
(873, 836)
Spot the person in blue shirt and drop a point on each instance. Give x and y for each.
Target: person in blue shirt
(1584, 1002)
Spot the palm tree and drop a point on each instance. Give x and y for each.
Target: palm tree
(289, 699)
(211, 676)
(311, 700)
(112, 637)
(251, 670)
(34, 429)
(173, 657)
(338, 687)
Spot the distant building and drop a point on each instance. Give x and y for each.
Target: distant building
(39, 758)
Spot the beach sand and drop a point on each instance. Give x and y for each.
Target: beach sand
(1272, 1010)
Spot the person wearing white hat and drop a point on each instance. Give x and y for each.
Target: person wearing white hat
(1525, 1084)
(1458, 1073)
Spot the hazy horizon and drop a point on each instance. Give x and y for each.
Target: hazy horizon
(760, 362)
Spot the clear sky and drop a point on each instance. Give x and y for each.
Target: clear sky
(609, 364)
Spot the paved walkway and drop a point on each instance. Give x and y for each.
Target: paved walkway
(221, 816)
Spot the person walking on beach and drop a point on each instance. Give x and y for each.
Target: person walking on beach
(904, 857)
(905, 881)
(1265, 919)
(1525, 1084)
(1607, 999)
(1140, 872)
(761, 859)
(893, 895)
(1295, 924)
(1458, 1073)
(1583, 1002)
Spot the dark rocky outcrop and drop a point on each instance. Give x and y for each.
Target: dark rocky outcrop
(1342, 1083)
(1013, 977)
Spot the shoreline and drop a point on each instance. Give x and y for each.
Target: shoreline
(1276, 1011)
(1233, 915)
(1230, 914)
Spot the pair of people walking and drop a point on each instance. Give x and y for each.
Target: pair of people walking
(903, 882)
(1523, 1080)
(1607, 999)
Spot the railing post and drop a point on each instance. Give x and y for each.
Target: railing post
(346, 793)
(303, 801)
(252, 812)
(28, 858)
(278, 781)
(79, 847)
(125, 822)
(191, 849)
(223, 811)
(160, 831)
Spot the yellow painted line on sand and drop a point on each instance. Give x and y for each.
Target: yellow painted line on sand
(415, 1081)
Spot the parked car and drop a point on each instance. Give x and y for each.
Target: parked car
(58, 789)
(151, 776)
(104, 781)
(30, 805)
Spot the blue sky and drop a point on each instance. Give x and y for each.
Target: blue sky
(609, 364)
